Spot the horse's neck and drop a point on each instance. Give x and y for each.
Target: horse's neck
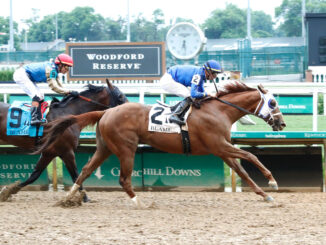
(246, 100)
(74, 108)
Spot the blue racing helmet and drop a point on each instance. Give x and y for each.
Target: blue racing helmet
(213, 66)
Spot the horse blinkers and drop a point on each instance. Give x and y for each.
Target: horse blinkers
(116, 96)
(269, 110)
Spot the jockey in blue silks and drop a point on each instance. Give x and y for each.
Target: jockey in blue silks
(28, 76)
(178, 78)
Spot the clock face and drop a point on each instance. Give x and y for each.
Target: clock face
(185, 40)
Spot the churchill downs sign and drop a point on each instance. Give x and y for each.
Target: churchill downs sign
(117, 60)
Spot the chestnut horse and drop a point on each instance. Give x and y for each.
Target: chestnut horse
(99, 98)
(122, 128)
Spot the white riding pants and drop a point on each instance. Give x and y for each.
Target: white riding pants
(30, 88)
(173, 87)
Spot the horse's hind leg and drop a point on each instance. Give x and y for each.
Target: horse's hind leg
(42, 163)
(97, 159)
(236, 166)
(70, 162)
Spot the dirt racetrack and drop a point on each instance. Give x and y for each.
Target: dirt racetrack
(172, 218)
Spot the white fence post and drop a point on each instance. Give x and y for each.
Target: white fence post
(315, 111)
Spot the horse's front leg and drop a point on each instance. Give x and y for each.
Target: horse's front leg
(42, 163)
(228, 150)
(236, 166)
(253, 159)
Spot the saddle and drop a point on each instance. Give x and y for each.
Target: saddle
(159, 122)
(19, 117)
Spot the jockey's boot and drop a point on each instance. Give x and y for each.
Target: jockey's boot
(175, 117)
(36, 116)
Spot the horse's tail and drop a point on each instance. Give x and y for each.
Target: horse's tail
(55, 128)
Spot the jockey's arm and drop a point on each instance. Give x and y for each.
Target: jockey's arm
(55, 84)
(197, 87)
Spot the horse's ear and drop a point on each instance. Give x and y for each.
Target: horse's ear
(109, 84)
(262, 89)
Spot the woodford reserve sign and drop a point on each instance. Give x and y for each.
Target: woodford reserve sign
(119, 61)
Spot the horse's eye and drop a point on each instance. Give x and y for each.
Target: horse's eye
(122, 98)
(272, 104)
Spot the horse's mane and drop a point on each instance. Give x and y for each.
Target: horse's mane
(91, 89)
(233, 87)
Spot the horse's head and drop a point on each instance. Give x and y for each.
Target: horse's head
(268, 110)
(116, 96)
(93, 98)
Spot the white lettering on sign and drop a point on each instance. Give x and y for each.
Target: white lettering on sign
(115, 56)
(11, 166)
(182, 172)
(116, 66)
(14, 175)
(291, 106)
(168, 171)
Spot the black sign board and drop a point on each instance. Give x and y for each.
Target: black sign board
(316, 36)
(138, 61)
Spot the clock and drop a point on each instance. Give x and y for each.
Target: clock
(185, 40)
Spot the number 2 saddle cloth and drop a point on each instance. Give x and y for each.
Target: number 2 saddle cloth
(159, 120)
(19, 118)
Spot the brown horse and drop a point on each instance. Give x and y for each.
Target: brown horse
(99, 98)
(122, 128)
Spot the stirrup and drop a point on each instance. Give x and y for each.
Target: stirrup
(38, 122)
(175, 119)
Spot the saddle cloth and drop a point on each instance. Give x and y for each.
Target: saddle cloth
(158, 120)
(19, 118)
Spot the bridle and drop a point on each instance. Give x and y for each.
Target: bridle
(112, 104)
(269, 118)
(93, 101)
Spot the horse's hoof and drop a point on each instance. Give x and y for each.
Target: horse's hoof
(86, 199)
(269, 199)
(4, 194)
(71, 201)
(8, 190)
(138, 203)
(273, 184)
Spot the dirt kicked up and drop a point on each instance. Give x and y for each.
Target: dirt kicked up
(171, 218)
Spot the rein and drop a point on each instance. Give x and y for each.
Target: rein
(92, 101)
(235, 106)
(271, 114)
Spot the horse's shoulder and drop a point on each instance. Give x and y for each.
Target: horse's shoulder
(133, 105)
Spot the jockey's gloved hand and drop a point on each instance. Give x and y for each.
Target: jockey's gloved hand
(74, 93)
(212, 94)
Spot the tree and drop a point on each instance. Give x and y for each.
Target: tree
(82, 24)
(232, 23)
(5, 32)
(115, 30)
(143, 30)
(228, 23)
(289, 14)
(44, 31)
(261, 24)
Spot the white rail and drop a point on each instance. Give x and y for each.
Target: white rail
(143, 89)
(318, 73)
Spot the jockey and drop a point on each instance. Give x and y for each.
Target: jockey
(29, 75)
(179, 77)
